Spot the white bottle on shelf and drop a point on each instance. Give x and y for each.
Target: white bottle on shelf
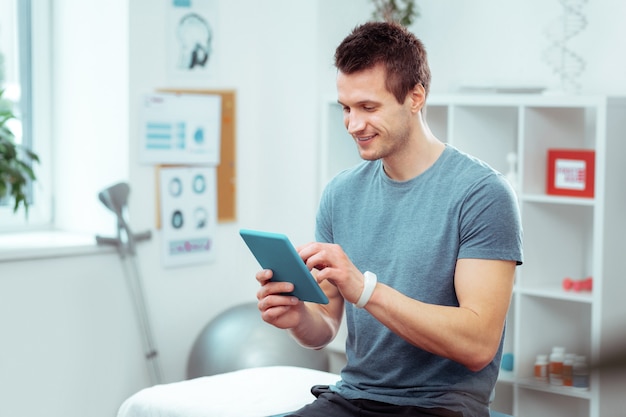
(556, 365)
(541, 368)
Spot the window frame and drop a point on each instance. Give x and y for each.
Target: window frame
(34, 45)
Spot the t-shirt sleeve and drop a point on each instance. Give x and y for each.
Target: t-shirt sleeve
(490, 222)
(323, 229)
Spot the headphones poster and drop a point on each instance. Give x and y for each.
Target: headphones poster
(188, 214)
(191, 32)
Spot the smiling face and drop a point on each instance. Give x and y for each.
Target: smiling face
(381, 127)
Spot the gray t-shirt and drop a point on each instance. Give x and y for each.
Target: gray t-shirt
(410, 234)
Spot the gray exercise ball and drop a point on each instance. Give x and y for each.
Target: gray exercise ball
(238, 338)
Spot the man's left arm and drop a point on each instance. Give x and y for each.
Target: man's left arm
(470, 333)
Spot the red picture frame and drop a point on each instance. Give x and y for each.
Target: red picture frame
(571, 172)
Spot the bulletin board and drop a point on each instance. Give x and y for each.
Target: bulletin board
(226, 170)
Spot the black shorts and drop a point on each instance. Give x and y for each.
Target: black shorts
(329, 403)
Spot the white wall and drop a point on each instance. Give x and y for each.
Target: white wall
(489, 42)
(272, 142)
(70, 345)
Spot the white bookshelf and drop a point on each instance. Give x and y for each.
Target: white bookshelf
(563, 236)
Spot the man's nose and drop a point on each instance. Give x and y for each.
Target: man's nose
(354, 123)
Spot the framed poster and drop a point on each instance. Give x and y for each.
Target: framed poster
(191, 35)
(180, 129)
(188, 213)
(571, 172)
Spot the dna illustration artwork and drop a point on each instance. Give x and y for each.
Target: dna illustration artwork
(567, 64)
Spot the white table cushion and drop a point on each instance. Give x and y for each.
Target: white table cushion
(254, 392)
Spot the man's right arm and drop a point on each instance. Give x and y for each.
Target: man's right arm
(311, 325)
(320, 324)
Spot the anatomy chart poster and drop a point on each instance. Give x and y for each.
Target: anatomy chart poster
(191, 36)
(188, 210)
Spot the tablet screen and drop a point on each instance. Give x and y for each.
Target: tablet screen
(274, 251)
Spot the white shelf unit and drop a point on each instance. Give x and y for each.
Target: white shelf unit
(563, 236)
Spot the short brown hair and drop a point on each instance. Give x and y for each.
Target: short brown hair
(402, 54)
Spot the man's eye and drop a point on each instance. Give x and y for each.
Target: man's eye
(369, 108)
(346, 109)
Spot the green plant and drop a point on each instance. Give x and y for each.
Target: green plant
(401, 11)
(15, 161)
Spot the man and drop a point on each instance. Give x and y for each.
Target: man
(418, 243)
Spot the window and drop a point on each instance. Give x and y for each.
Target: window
(24, 33)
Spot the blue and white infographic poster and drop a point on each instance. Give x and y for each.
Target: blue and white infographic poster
(180, 129)
(188, 214)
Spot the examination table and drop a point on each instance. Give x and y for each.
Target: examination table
(239, 366)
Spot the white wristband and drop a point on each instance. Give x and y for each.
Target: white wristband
(369, 283)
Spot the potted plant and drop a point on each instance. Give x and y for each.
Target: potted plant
(400, 11)
(15, 161)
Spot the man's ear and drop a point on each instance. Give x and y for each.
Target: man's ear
(417, 97)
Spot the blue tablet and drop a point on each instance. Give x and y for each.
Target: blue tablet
(274, 251)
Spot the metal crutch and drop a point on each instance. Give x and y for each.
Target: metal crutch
(115, 198)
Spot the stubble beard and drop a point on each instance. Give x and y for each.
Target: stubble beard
(389, 146)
